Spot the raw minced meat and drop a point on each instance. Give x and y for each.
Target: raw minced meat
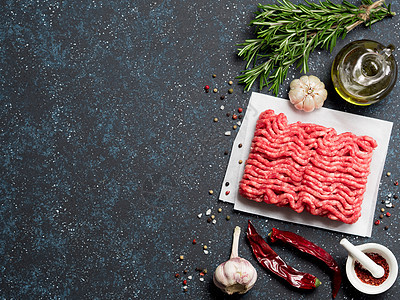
(307, 167)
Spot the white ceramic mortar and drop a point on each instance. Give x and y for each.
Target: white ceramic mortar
(367, 288)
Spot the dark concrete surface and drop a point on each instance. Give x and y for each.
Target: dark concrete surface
(109, 150)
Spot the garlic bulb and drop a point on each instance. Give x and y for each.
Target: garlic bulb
(237, 275)
(307, 93)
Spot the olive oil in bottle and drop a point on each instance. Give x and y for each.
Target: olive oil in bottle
(364, 72)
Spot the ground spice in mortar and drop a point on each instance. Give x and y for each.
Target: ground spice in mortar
(365, 276)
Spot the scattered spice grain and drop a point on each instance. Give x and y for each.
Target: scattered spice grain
(230, 91)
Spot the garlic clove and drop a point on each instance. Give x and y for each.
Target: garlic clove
(296, 96)
(321, 95)
(313, 81)
(294, 83)
(319, 86)
(308, 104)
(305, 80)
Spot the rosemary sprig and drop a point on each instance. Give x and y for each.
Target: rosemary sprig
(287, 33)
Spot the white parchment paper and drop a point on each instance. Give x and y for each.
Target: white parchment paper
(342, 122)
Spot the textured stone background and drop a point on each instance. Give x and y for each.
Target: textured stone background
(109, 148)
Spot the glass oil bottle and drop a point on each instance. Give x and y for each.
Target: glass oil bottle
(364, 72)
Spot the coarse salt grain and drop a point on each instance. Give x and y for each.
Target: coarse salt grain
(201, 278)
(214, 221)
(205, 252)
(190, 277)
(222, 107)
(227, 133)
(199, 215)
(208, 212)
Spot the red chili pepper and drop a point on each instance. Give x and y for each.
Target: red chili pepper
(271, 261)
(306, 246)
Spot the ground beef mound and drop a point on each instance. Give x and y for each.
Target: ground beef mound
(307, 167)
